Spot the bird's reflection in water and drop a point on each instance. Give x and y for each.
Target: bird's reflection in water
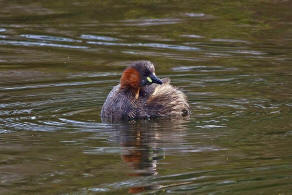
(142, 144)
(140, 152)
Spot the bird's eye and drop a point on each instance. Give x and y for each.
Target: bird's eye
(149, 79)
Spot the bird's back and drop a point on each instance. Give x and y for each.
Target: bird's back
(154, 101)
(167, 101)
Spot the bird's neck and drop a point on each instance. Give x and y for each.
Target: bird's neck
(132, 92)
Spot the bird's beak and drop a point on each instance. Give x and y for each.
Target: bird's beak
(154, 79)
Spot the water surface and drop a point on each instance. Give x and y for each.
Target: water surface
(59, 59)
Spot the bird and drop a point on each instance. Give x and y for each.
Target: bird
(142, 95)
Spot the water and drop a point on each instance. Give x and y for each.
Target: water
(59, 59)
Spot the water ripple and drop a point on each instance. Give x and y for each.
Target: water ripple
(195, 14)
(193, 36)
(98, 37)
(92, 75)
(49, 38)
(252, 52)
(103, 150)
(30, 126)
(210, 126)
(153, 45)
(150, 22)
(230, 41)
(203, 68)
(98, 189)
(40, 44)
(50, 85)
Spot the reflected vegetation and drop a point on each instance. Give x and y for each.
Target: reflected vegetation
(59, 60)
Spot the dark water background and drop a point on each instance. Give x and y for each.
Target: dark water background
(59, 59)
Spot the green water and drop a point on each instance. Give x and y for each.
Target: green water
(59, 60)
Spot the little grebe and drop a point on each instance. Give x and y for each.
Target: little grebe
(141, 95)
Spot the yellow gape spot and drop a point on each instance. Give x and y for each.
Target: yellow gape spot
(149, 79)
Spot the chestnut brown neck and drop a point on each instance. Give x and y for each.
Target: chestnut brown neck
(130, 80)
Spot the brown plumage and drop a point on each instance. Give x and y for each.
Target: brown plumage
(141, 95)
